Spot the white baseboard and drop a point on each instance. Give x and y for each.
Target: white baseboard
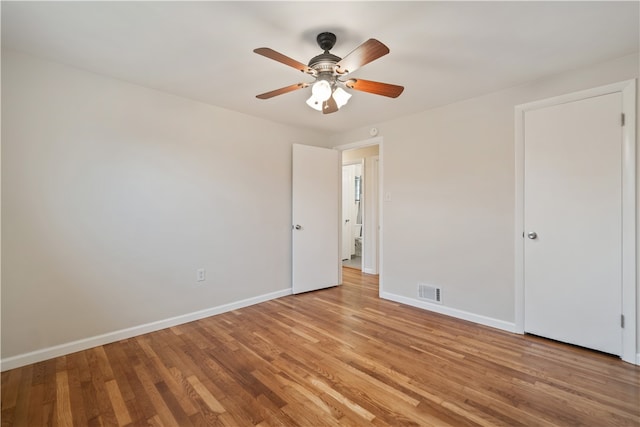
(453, 312)
(369, 271)
(464, 315)
(86, 343)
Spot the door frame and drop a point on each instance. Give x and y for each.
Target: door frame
(374, 192)
(378, 140)
(629, 236)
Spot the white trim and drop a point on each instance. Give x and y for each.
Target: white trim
(363, 212)
(339, 222)
(519, 221)
(453, 312)
(379, 141)
(353, 162)
(86, 343)
(375, 174)
(360, 144)
(629, 236)
(629, 231)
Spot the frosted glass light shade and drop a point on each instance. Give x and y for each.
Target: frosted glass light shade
(315, 103)
(341, 97)
(321, 90)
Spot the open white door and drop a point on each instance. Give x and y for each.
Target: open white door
(316, 218)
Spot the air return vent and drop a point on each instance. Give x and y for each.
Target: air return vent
(430, 293)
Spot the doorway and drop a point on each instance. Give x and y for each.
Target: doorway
(575, 221)
(352, 203)
(360, 208)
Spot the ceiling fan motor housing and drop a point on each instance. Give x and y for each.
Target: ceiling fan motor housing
(324, 62)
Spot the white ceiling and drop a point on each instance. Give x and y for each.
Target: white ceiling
(440, 51)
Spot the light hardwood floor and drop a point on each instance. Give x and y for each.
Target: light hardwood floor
(339, 356)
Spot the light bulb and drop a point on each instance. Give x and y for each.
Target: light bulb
(341, 97)
(321, 90)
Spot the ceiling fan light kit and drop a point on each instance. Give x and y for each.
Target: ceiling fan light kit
(328, 92)
(321, 89)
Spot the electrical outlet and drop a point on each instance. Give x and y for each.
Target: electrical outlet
(200, 274)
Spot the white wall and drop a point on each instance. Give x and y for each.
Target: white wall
(113, 195)
(450, 172)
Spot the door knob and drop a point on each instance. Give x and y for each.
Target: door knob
(532, 235)
(298, 227)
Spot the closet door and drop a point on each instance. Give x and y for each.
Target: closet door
(572, 220)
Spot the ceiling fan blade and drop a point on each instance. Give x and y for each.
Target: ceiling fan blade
(277, 56)
(368, 51)
(329, 106)
(282, 90)
(384, 89)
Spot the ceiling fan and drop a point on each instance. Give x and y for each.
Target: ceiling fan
(330, 73)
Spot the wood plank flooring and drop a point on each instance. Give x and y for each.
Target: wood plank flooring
(339, 356)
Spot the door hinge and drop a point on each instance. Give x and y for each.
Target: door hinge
(622, 119)
(622, 320)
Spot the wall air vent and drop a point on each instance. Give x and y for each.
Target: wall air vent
(430, 293)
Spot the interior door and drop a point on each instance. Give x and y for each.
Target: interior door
(316, 218)
(572, 219)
